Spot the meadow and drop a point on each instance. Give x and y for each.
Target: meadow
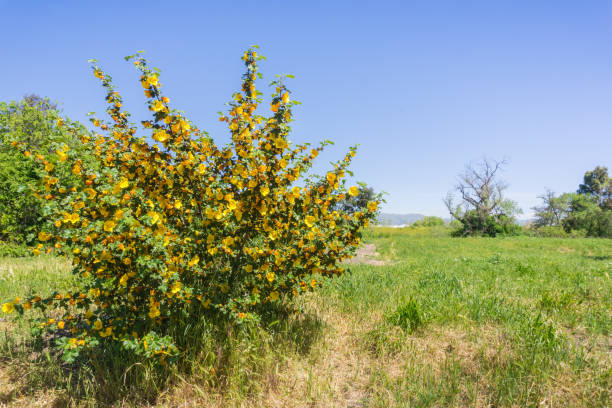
(425, 321)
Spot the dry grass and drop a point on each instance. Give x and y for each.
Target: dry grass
(480, 299)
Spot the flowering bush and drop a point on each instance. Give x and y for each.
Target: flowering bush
(167, 231)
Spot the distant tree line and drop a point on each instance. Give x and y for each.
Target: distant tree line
(588, 211)
(483, 209)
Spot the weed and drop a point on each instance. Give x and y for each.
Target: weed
(408, 316)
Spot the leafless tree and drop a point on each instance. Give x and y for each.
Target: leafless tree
(479, 188)
(481, 196)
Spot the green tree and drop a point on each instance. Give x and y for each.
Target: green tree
(352, 204)
(553, 211)
(598, 184)
(429, 222)
(585, 214)
(32, 122)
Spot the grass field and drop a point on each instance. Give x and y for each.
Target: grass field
(471, 322)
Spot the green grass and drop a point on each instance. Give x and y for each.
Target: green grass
(502, 322)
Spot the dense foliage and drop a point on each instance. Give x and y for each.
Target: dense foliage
(472, 223)
(429, 222)
(31, 123)
(359, 202)
(166, 232)
(588, 212)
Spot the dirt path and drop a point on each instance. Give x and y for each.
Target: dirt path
(366, 254)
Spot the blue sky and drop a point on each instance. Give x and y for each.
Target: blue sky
(423, 87)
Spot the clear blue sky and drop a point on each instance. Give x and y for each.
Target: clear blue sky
(424, 87)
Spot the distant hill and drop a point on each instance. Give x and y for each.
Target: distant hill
(398, 219)
(407, 219)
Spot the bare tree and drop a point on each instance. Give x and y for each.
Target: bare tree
(481, 195)
(479, 188)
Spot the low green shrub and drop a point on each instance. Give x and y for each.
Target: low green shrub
(13, 250)
(408, 316)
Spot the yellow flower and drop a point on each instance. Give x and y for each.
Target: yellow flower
(161, 136)
(92, 193)
(98, 325)
(8, 308)
(331, 177)
(158, 106)
(72, 218)
(176, 287)
(353, 191)
(152, 80)
(264, 191)
(274, 296)
(60, 324)
(109, 225)
(274, 107)
(49, 167)
(124, 279)
(285, 97)
(61, 156)
(124, 183)
(118, 214)
(154, 312)
(154, 217)
(43, 236)
(270, 276)
(107, 332)
(372, 206)
(309, 220)
(194, 261)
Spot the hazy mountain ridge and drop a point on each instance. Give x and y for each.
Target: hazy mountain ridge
(398, 219)
(407, 219)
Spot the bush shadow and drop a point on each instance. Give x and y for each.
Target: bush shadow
(215, 354)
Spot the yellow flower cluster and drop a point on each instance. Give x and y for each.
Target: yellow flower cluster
(172, 222)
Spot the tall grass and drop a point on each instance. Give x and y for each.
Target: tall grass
(515, 321)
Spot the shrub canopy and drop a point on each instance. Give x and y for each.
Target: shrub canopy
(172, 227)
(31, 123)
